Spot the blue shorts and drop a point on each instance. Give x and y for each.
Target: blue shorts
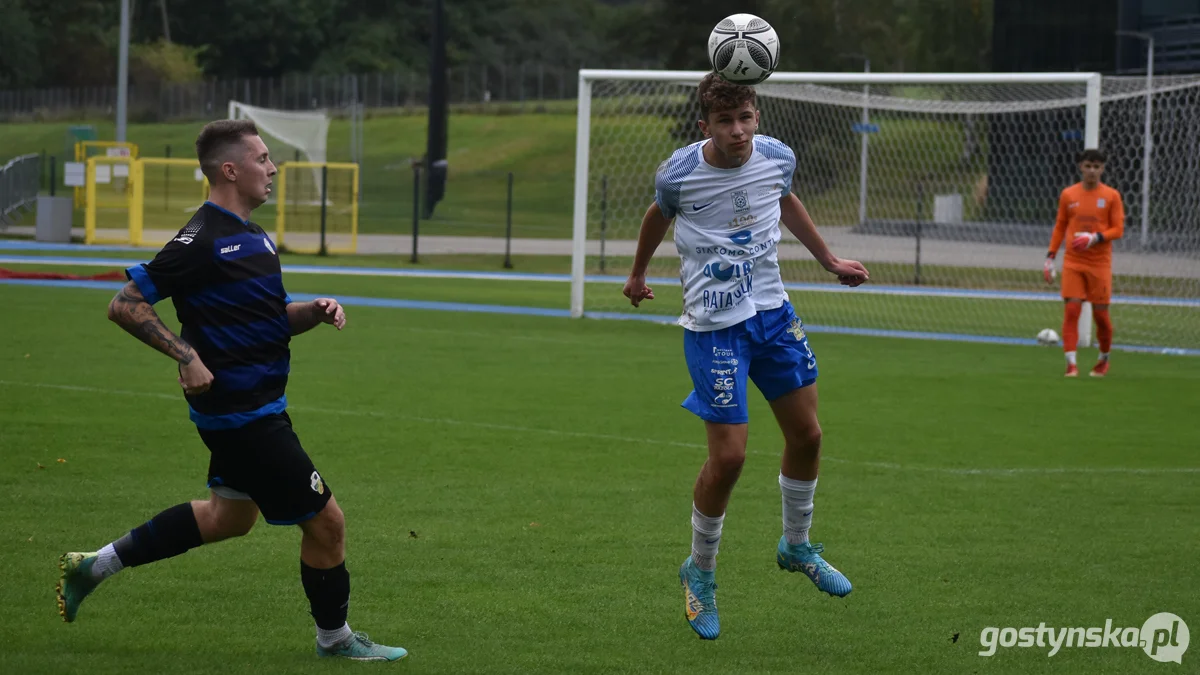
(770, 347)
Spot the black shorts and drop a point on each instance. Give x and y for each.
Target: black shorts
(265, 462)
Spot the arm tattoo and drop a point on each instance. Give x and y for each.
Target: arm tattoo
(130, 310)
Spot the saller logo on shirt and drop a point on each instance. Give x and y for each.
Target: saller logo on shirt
(230, 249)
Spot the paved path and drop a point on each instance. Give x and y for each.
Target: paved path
(866, 248)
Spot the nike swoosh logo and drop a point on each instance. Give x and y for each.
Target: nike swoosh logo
(711, 541)
(808, 514)
(701, 207)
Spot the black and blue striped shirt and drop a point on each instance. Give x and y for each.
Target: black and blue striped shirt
(223, 275)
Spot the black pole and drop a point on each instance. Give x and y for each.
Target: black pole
(42, 169)
(603, 217)
(917, 232)
(508, 226)
(416, 214)
(324, 185)
(53, 171)
(436, 167)
(167, 179)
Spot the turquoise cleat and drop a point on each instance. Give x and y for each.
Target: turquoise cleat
(75, 583)
(358, 647)
(700, 600)
(805, 558)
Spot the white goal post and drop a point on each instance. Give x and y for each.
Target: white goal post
(944, 184)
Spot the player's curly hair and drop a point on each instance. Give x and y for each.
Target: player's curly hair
(717, 94)
(216, 138)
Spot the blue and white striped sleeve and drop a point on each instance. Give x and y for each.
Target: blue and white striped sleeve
(668, 182)
(777, 151)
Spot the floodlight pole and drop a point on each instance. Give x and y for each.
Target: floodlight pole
(123, 72)
(1148, 140)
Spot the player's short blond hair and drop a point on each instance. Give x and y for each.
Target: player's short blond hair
(717, 94)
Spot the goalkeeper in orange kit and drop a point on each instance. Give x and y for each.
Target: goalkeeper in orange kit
(1090, 216)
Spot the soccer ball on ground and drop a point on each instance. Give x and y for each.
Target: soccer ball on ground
(743, 49)
(1047, 337)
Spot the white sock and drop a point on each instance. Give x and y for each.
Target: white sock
(706, 537)
(1103, 356)
(329, 638)
(107, 564)
(1070, 357)
(797, 507)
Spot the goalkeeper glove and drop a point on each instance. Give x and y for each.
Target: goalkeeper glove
(1085, 240)
(1048, 268)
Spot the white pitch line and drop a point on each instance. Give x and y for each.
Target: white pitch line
(645, 441)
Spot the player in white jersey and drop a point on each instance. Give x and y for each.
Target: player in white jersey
(727, 195)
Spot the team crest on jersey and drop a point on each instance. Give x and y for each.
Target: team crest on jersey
(796, 329)
(1100, 203)
(741, 201)
(317, 484)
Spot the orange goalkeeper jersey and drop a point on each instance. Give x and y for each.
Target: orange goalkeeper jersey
(1080, 211)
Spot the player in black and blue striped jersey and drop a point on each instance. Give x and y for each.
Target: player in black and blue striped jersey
(223, 276)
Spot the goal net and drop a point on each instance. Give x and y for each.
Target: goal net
(945, 186)
(290, 135)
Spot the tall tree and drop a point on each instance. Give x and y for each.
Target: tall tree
(20, 66)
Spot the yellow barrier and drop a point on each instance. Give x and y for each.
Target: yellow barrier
(300, 209)
(164, 193)
(85, 150)
(104, 210)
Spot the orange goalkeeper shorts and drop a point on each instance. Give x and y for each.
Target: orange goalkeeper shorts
(1092, 285)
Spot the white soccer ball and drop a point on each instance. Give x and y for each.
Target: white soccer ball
(1047, 337)
(743, 49)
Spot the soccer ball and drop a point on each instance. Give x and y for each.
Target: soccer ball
(743, 49)
(1047, 337)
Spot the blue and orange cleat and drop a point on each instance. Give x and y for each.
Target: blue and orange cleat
(700, 600)
(806, 558)
(358, 647)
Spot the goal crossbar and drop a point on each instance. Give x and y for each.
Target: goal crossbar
(694, 76)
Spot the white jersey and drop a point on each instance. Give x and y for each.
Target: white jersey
(727, 231)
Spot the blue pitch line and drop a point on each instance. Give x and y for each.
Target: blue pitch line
(870, 289)
(305, 297)
(351, 301)
(25, 245)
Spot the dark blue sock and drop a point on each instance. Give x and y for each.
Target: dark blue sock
(166, 535)
(328, 594)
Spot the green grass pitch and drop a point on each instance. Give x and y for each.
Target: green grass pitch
(518, 489)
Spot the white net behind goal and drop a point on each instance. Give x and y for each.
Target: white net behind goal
(947, 192)
(290, 135)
